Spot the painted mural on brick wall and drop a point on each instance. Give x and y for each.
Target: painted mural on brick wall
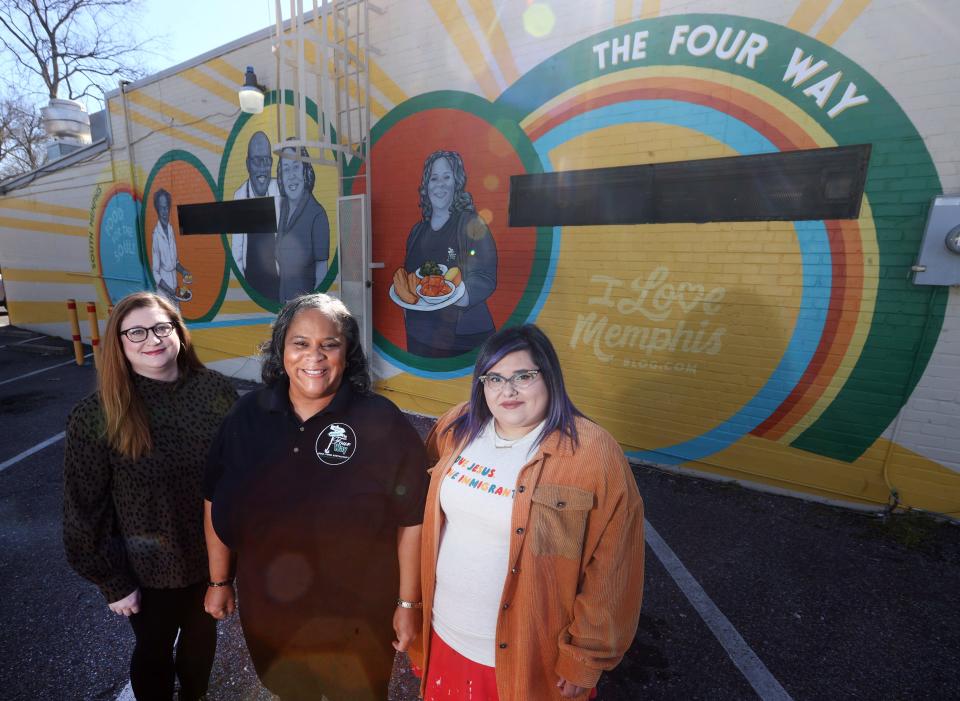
(450, 266)
(712, 345)
(658, 323)
(193, 271)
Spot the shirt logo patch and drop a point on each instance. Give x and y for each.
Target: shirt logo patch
(336, 444)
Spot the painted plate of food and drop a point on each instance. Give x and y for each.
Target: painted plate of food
(430, 268)
(429, 288)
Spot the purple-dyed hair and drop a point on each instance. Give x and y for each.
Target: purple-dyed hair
(561, 412)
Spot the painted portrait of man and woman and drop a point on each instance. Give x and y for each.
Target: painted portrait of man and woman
(296, 258)
(193, 271)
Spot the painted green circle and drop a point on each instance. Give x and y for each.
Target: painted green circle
(187, 157)
(510, 128)
(271, 305)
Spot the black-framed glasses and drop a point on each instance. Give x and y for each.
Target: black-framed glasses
(520, 380)
(138, 334)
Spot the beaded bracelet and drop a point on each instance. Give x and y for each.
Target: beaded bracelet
(224, 583)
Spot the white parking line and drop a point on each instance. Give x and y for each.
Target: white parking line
(743, 656)
(30, 451)
(20, 343)
(37, 372)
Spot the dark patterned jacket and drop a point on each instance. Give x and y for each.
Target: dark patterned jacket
(139, 523)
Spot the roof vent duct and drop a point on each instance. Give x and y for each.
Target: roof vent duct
(68, 124)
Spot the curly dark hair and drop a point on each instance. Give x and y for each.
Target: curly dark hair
(309, 174)
(462, 200)
(271, 352)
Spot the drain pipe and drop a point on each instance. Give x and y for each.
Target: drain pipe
(129, 134)
(134, 187)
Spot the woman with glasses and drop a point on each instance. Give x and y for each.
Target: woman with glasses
(532, 566)
(133, 502)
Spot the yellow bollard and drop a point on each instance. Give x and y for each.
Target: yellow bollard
(94, 332)
(75, 330)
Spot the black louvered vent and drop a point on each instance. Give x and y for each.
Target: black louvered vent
(253, 216)
(815, 184)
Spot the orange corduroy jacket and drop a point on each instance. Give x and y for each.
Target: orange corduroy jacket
(571, 600)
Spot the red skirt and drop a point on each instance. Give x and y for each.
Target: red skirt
(451, 676)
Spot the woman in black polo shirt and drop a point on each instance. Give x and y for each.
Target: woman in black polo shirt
(317, 486)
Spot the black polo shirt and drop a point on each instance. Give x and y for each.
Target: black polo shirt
(312, 510)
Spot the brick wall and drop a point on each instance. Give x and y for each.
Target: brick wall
(789, 355)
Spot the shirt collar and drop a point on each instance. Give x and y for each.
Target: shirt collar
(298, 210)
(527, 440)
(277, 397)
(150, 387)
(557, 443)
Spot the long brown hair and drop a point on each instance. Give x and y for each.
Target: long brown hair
(125, 415)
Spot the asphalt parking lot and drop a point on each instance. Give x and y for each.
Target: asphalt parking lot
(747, 594)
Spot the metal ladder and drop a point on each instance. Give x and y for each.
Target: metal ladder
(334, 49)
(328, 57)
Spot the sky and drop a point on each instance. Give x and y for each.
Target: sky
(183, 29)
(193, 27)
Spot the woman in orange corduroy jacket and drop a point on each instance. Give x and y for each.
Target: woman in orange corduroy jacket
(532, 564)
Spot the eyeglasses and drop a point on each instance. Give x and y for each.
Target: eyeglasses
(519, 380)
(138, 334)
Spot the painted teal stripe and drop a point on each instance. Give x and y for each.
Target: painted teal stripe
(429, 374)
(246, 321)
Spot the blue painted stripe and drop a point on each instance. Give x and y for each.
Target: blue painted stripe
(814, 249)
(428, 374)
(246, 321)
(713, 123)
(551, 266)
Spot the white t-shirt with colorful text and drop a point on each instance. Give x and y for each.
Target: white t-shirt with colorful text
(476, 496)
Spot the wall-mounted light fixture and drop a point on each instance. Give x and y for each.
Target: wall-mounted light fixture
(251, 94)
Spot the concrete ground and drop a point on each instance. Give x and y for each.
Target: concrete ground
(746, 595)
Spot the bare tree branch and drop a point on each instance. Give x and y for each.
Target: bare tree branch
(59, 48)
(54, 40)
(21, 138)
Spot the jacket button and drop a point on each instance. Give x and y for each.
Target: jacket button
(503, 646)
(521, 489)
(301, 429)
(506, 606)
(561, 504)
(515, 570)
(296, 450)
(519, 531)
